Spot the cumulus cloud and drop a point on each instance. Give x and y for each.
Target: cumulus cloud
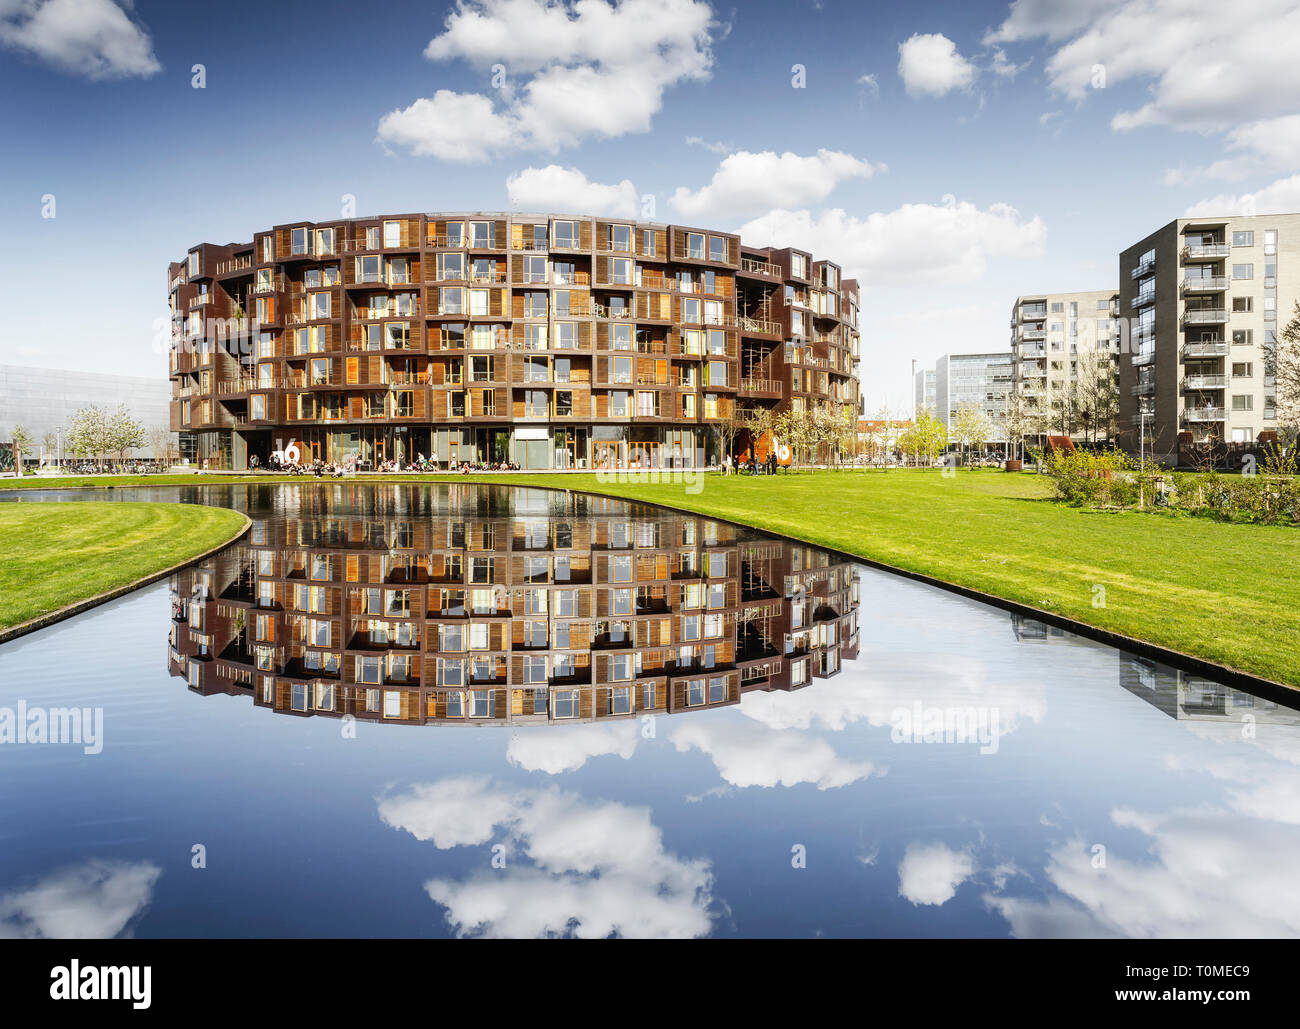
(930, 66)
(554, 188)
(1202, 70)
(94, 38)
(947, 242)
(555, 749)
(748, 755)
(597, 868)
(571, 73)
(95, 900)
(931, 872)
(748, 182)
(1278, 197)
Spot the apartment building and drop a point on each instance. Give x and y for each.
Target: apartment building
(548, 340)
(1204, 300)
(923, 391)
(563, 609)
(1054, 336)
(982, 381)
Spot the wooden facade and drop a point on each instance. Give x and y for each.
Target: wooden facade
(364, 337)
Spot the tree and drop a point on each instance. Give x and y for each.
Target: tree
(123, 433)
(969, 428)
(1286, 369)
(50, 444)
(925, 439)
(758, 422)
(88, 434)
(160, 442)
(725, 430)
(22, 440)
(1097, 394)
(797, 428)
(1019, 419)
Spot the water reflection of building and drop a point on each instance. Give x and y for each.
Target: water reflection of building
(1182, 694)
(577, 608)
(1030, 630)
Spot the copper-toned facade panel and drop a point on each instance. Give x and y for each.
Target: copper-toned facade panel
(547, 341)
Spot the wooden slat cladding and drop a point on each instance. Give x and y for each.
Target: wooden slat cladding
(409, 285)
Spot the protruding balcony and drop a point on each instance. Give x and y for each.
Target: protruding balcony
(1205, 284)
(1206, 251)
(1199, 382)
(1209, 316)
(1204, 414)
(1217, 348)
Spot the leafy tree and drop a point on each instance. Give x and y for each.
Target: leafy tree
(124, 433)
(22, 440)
(1286, 368)
(88, 434)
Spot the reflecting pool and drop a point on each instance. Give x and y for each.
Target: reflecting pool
(458, 709)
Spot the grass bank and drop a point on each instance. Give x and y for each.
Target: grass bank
(1228, 593)
(59, 554)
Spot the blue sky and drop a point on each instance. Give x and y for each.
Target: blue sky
(953, 155)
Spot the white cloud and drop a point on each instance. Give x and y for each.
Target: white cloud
(94, 38)
(597, 868)
(930, 66)
(747, 182)
(1029, 19)
(715, 147)
(931, 872)
(1003, 68)
(747, 755)
(555, 749)
(870, 84)
(554, 188)
(1203, 69)
(574, 70)
(1280, 197)
(948, 242)
(95, 900)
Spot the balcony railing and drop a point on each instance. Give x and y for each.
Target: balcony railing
(1204, 414)
(234, 264)
(1141, 389)
(748, 264)
(1212, 316)
(1205, 284)
(1143, 357)
(752, 385)
(1213, 349)
(1142, 299)
(1206, 251)
(1205, 382)
(1142, 268)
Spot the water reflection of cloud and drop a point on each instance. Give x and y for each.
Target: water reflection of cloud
(872, 689)
(1215, 873)
(94, 900)
(931, 872)
(750, 755)
(557, 749)
(597, 868)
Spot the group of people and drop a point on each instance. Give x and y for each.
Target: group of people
(753, 466)
(352, 464)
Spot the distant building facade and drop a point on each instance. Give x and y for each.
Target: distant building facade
(44, 400)
(923, 397)
(983, 381)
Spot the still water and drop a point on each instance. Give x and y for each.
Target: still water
(469, 710)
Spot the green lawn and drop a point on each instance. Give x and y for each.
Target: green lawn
(57, 554)
(1228, 593)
